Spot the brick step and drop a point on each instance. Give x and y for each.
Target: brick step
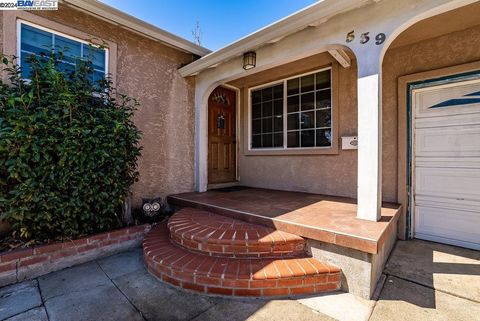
(260, 277)
(218, 235)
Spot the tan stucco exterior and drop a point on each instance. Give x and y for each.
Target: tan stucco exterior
(317, 171)
(147, 70)
(335, 174)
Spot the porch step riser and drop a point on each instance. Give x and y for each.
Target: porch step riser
(242, 251)
(216, 235)
(236, 277)
(245, 288)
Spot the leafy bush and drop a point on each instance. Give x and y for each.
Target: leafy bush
(68, 150)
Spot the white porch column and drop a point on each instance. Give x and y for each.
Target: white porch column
(202, 92)
(369, 184)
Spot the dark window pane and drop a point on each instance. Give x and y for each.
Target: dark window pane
(323, 79)
(293, 139)
(324, 137)
(256, 96)
(278, 91)
(293, 86)
(256, 111)
(67, 68)
(308, 110)
(324, 118)
(293, 104)
(277, 123)
(292, 121)
(256, 141)
(95, 55)
(267, 125)
(278, 107)
(98, 75)
(257, 126)
(35, 40)
(308, 101)
(26, 66)
(278, 140)
(324, 99)
(266, 113)
(267, 94)
(267, 140)
(267, 109)
(308, 138)
(307, 120)
(38, 41)
(71, 49)
(307, 83)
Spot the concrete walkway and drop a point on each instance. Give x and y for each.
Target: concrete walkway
(423, 281)
(430, 281)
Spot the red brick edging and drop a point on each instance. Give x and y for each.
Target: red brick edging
(22, 264)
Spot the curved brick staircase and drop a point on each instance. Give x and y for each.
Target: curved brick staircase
(210, 253)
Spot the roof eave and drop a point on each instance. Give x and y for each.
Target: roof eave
(118, 17)
(315, 14)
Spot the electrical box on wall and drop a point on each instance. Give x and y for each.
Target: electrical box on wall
(349, 142)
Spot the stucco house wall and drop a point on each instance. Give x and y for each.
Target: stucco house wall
(335, 174)
(147, 70)
(331, 174)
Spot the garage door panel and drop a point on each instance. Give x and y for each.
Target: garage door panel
(463, 183)
(472, 118)
(446, 163)
(455, 141)
(447, 223)
(448, 203)
(459, 98)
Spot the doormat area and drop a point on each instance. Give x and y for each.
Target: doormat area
(231, 189)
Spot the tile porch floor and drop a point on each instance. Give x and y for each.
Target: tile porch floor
(330, 219)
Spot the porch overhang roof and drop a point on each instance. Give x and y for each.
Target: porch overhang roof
(117, 17)
(311, 16)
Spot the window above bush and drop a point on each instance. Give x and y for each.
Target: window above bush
(36, 41)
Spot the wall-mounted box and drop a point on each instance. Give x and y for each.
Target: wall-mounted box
(349, 142)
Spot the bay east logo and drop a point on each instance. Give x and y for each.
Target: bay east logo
(37, 4)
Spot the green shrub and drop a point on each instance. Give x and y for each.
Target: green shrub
(68, 150)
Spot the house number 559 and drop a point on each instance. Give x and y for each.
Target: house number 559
(365, 37)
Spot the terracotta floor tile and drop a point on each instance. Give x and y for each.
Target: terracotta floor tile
(313, 216)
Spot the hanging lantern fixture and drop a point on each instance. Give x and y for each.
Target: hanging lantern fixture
(249, 60)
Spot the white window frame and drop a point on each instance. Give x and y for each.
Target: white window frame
(61, 34)
(285, 114)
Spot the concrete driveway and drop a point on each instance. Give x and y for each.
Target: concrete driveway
(430, 281)
(422, 281)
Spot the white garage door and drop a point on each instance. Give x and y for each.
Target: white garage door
(446, 163)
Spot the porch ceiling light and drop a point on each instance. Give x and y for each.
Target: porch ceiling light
(249, 60)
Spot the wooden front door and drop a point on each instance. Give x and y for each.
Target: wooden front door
(222, 136)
